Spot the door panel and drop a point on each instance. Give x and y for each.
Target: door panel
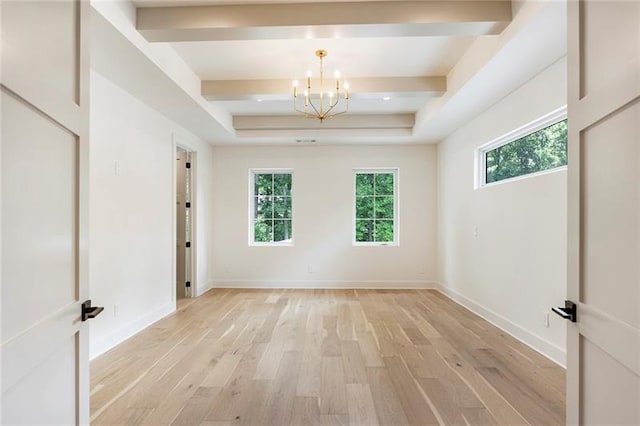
(40, 39)
(610, 390)
(603, 346)
(44, 144)
(39, 197)
(611, 214)
(56, 401)
(610, 52)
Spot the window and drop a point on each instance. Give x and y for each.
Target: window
(271, 207)
(538, 147)
(376, 207)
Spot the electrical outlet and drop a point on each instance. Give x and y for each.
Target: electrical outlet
(117, 168)
(310, 269)
(475, 231)
(545, 319)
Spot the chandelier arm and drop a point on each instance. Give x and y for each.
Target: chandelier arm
(332, 107)
(339, 113)
(306, 113)
(296, 108)
(326, 117)
(314, 107)
(327, 113)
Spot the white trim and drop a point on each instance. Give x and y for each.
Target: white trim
(480, 178)
(396, 207)
(252, 174)
(537, 343)
(130, 329)
(327, 284)
(527, 176)
(203, 289)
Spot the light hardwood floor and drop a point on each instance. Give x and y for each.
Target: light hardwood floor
(308, 357)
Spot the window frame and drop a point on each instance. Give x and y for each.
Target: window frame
(396, 207)
(252, 176)
(480, 160)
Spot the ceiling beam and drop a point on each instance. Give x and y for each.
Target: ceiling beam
(362, 88)
(323, 20)
(255, 123)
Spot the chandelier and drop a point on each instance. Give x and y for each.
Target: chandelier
(322, 105)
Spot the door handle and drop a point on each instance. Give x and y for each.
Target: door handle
(569, 312)
(90, 312)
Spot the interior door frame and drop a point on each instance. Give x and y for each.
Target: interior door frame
(179, 143)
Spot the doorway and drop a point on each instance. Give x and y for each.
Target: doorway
(184, 223)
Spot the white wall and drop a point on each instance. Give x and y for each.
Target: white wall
(132, 222)
(323, 212)
(515, 269)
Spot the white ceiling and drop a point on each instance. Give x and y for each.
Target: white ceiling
(462, 57)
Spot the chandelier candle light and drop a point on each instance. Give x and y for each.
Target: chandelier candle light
(335, 104)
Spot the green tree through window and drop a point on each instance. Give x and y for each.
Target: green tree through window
(375, 207)
(542, 150)
(272, 213)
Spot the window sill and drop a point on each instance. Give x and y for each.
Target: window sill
(371, 244)
(287, 244)
(523, 177)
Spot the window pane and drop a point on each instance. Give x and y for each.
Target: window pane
(282, 230)
(384, 184)
(263, 184)
(264, 207)
(263, 231)
(282, 184)
(272, 213)
(282, 207)
(364, 230)
(364, 184)
(384, 231)
(542, 150)
(384, 207)
(364, 207)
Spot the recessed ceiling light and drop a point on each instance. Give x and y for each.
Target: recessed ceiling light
(386, 98)
(259, 100)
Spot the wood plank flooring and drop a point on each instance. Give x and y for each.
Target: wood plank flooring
(324, 357)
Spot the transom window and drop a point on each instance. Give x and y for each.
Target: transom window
(271, 207)
(375, 209)
(538, 147)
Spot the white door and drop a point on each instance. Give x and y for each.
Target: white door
(603, 353)
(44, 99)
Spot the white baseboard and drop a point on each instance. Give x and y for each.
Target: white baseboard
(326, 284)
(544, 347)
(200, 290)
(107, 342)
